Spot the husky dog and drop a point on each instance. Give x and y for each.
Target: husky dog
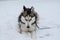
(28, 21)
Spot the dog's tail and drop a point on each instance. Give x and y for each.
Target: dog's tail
(42, 28)
(37, 26)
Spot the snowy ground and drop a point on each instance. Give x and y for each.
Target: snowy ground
(49, 16)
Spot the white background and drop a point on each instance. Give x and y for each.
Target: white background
(49, 16)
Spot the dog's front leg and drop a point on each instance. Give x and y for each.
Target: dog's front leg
(33, 35)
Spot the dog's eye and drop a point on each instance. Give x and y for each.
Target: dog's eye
(30, 20)
(26, 19)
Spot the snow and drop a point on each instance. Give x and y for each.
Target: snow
(49, 19)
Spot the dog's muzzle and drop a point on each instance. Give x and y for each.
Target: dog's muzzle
(28, 27)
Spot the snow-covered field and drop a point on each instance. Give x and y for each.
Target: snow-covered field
(49, 19)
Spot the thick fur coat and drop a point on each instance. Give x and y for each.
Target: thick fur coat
(28, 21)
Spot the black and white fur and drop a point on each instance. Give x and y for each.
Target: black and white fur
(28, 21)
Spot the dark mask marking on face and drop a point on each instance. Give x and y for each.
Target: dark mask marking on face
(22, 22)
(33, 23)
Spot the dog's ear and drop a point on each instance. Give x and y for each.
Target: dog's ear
(32, 8)
(24, 8)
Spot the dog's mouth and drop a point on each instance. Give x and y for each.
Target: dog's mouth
(29, 30)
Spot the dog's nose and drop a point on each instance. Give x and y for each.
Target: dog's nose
(28, 27)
